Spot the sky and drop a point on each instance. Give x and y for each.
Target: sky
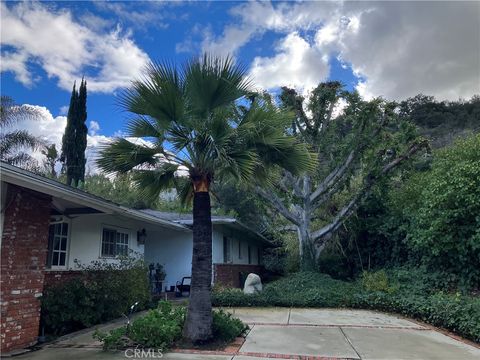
(390, 49)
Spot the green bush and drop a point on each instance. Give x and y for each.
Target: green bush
(400, 291)
(115, 339)
(225, 327)
(102, 292)
(445, 227)
(425, 216)
(376, 281)
(162, 327)
(159, 328)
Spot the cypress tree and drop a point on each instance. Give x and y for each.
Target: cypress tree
(74, 140)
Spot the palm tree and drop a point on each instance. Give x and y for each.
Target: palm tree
(192, 120)
(14, 143)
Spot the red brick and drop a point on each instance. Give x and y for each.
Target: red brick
(23, 257)
(229, 274)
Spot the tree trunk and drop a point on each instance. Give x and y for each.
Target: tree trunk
(308, 260)
(198, 325)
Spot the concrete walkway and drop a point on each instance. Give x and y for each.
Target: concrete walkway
(301, 334)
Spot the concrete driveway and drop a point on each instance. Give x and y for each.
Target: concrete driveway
(301, 334)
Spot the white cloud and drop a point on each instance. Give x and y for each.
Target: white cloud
(66, 49)
(150, 14)
(93, 128)
(397, 49)
(64, 110)
(402, 49)
(296, 64)
(257, 17)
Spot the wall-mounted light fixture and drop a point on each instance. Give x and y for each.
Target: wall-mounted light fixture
(141, 237)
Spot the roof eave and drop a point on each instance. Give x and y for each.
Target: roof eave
(24, 178)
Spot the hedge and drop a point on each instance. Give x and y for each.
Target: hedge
(102, 292)
(456, 312)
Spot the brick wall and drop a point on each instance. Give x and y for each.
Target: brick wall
(229, 274)
(23, 257)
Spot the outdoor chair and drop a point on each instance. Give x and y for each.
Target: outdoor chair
(183, 286)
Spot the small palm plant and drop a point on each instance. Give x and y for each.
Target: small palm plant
(199, 119)
(13, 143)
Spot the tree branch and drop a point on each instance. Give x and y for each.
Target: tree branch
(337, 174)
(332, 178)
(321, 235)
(294, 183)
(278, 204)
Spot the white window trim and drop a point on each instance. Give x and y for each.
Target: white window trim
(59, 220)
(118, 229)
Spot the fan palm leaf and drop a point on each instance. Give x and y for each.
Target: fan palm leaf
(14, 143)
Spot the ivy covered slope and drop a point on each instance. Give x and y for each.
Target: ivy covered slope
(403, 291)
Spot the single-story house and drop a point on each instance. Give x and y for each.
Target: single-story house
(236, 249)
(48, 229)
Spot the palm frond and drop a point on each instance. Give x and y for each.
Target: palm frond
(13, 141)
(213, 82)
(184, 189)
(22, 159)
(11, 113)
(152, 182)
(159, 94)
(122, 155)
(143, 126)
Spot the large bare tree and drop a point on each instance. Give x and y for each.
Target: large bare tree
(355, 150)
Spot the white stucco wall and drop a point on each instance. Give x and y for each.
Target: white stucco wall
(85, 237)
(173, 250)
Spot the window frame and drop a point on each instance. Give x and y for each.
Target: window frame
(116, 230)
(50, 251)
(227, 250)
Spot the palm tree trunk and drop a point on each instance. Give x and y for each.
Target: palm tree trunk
(198, 325)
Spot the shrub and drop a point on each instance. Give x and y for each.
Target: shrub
(101, 293)
(410, 296)
(225, 327)
(115, 339)
(162, 327)
(445, 226)
(159, 328)
(376, 281)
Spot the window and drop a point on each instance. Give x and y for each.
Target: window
(249, 254)
(57, 244)
(239, 249)
(114, 243)
(259, 255)
(227, 255)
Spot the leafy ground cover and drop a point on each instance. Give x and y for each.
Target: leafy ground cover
(161, 328)
(403, 291)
